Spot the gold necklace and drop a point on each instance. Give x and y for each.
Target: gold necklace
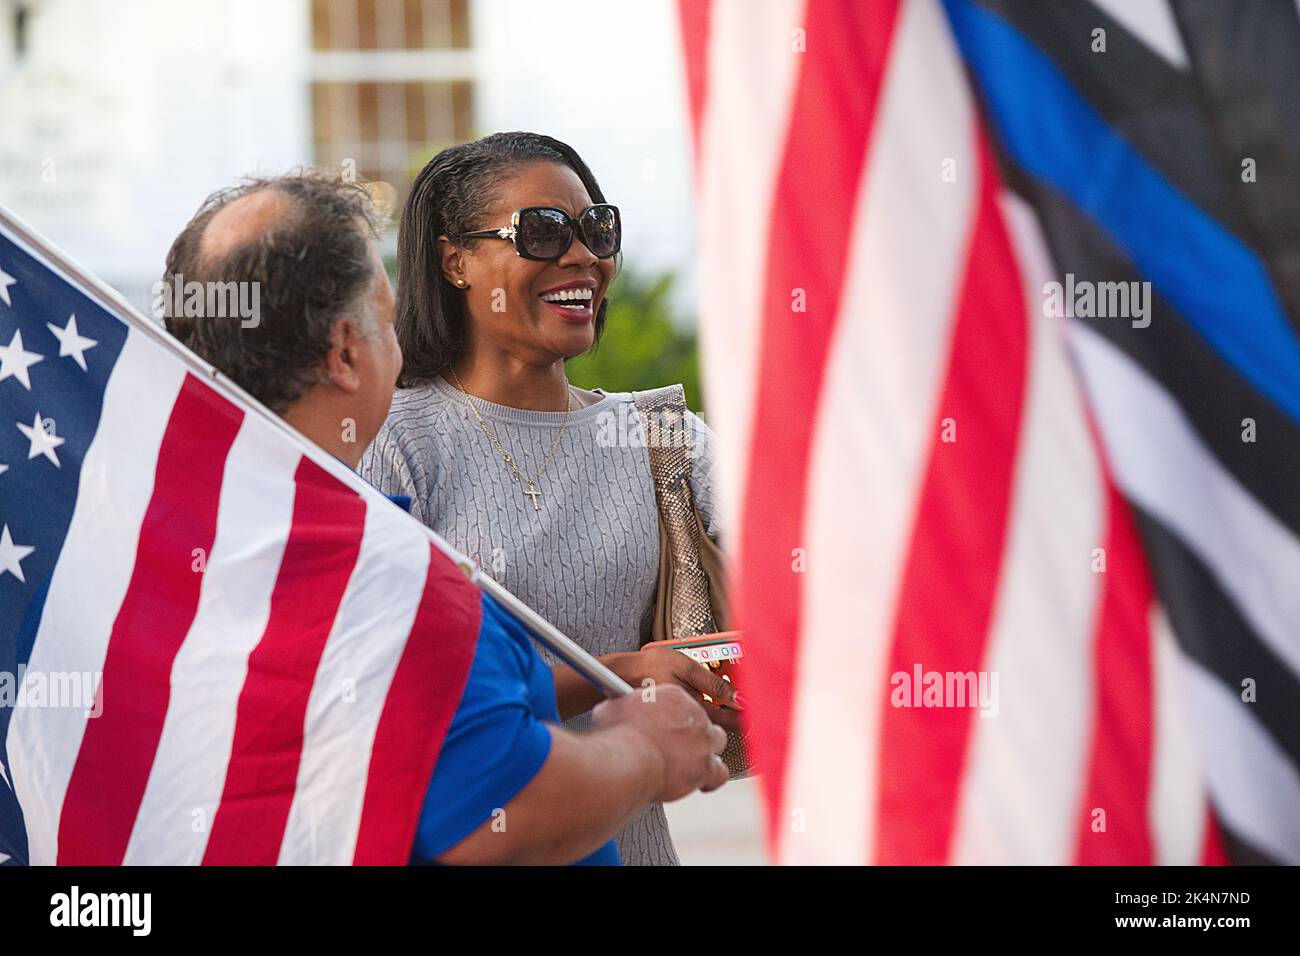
(531, 491)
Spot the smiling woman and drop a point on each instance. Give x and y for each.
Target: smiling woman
(506, 253)
(483, 239)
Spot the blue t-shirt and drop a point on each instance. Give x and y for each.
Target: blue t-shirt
(497, 741)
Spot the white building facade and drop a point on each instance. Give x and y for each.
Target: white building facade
(118, 116)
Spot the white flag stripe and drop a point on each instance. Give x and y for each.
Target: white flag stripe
(189, 769)
(875, 428)
(1152, 22)
(1253, 784)
(1027, 765)
(1163, 467)
(91, 578)
(1177, 809)
(357, 666)
(741, 150)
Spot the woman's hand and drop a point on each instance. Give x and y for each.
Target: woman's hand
(662, 665)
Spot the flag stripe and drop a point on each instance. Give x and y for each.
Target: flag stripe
(1202, 614)
(1222, 406)
(1215, 282)
(834, 105)
(189, 768)
(1179, 812)
(1027, 758)
(942, 621)
(1163, 469)
(1140, 95)
(1150, 21)
(1213, 852)
(426, 688)
(1118, 782)
(1222, 845)
(911, 229)
(319, 558)
(1253, 786)
(694, 19)
(117, 751)
(114, 492)
(357, 666)
(740, 157)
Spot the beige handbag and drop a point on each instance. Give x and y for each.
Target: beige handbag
(692, 594)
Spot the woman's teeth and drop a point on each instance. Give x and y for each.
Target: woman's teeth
(569, 298)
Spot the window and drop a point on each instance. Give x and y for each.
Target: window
(392, 82)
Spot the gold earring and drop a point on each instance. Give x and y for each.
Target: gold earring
(460, 283)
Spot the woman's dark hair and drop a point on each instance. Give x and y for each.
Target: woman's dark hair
(450, 197)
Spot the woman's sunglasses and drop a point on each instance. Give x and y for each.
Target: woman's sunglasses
(545, 233)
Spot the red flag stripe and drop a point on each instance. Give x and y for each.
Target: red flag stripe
(943, 617)
(695, 16)
(324, 541)
(117, 752)
(1213, 852)
(1120, 766)
(422, 699)
(825, 154)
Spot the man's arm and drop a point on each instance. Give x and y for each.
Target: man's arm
(640, 751)
(588, 788)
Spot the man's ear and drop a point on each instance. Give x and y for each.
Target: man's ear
(452, 260)
(341, 360)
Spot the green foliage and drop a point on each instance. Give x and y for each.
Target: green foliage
(644, 345)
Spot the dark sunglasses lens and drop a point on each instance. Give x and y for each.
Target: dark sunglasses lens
(544, 233)
(601, 231)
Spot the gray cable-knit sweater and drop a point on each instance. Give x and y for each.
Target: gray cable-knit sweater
(588, 561)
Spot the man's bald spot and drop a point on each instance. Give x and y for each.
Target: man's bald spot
(243, 220)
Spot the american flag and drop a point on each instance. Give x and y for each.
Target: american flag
(930, 473)
(221, 645)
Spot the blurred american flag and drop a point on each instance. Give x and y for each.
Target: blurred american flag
(930, 472)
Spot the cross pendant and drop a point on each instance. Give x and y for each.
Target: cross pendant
(533, 493)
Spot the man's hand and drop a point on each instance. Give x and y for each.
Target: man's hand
(677, 728)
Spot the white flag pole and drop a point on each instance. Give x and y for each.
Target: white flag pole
(564, 647)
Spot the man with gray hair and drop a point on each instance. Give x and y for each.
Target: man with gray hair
(323, 355)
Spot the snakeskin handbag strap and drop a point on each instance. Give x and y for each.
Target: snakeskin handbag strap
(663, 418)
(684, 578)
